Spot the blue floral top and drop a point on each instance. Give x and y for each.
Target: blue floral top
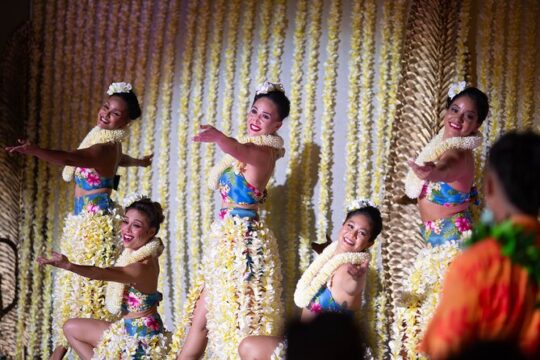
(235, 189)
(441, 193)
(323, 301)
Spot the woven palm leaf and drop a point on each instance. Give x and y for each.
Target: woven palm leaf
(428, 68)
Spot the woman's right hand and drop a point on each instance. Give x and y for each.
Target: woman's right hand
(24, 147)
(57, 260)
(208, 134)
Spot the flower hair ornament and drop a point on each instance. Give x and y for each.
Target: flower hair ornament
(133, 197)
(119, 87)
(358, 204)
(456, 88)
(268, 86)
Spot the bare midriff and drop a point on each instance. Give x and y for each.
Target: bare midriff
(81, 192)
(140, 314)
(430, 211)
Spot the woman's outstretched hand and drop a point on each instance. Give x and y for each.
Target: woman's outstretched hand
(356, 271)
(146, 160)
(208, 134)
(422, 171)
(57, 260)
(24, 147)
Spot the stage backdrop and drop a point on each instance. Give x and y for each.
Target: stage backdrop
(367, 81)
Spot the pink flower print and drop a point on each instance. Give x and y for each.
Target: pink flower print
(92, 178)
(151, 323)
(224, 191)
(257, 194)
(83, 171)
(316, 308)
(462, 224)
(133, 301)
(92, 208)
(433, 226)
(222, 213)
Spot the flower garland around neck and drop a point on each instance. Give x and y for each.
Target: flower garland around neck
(96, 136)
(319, 272)
(274, 141)
(433, 151)
(115, 290)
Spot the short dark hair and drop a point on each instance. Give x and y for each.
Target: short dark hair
(479, 98)
(280, 99)
(152, 210)
(132, 103)
(374, 216)
(515, 159)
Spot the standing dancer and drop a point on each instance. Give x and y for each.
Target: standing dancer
(442, 179)
(334, 282)
(89, 233)
(239, 290)
(491, 290)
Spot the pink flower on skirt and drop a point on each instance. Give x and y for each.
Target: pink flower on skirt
(151, 323)
(92, 208)
(462, 224)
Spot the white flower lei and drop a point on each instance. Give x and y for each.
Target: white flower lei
(432, 152)
(318, 273)
(115, 290)
(119, 87)
(96, 136)
(274, 141)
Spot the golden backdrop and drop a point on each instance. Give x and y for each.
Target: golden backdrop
(367, 81)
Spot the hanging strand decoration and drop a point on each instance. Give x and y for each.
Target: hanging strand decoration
(244, 80)
(351, 171)
(148, 140)
(181, 139)
(53, 179)
(366, 82)
(511, 69)
(41, 181)
(529, 63)
(216, 45)
(327, 120)
(308, 153)
(265, 30)
(293, 176)
(165, 146)
(136, 137)
(279, 31)
(194, 240)
(28, 191)
(233, 18)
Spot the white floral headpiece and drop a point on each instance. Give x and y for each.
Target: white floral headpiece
(267, 87)
(456, 88)
(358, 204)
(119, 87)
(131, 198)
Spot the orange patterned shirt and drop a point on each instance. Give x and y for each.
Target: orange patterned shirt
(486, 297)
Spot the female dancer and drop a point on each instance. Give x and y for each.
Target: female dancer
(239, 291)
(334, 282)
(89, 233)
(132, 291)
(442, 179)
(491, 290)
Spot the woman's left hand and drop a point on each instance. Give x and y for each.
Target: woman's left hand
(208, 134)
(356, 271)
(422, 171)
(56, 259)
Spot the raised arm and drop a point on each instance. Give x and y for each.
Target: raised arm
(130, 274)
(126, 160)
(247, 153)
(354, 278)
(446, 169)
(95, 156)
